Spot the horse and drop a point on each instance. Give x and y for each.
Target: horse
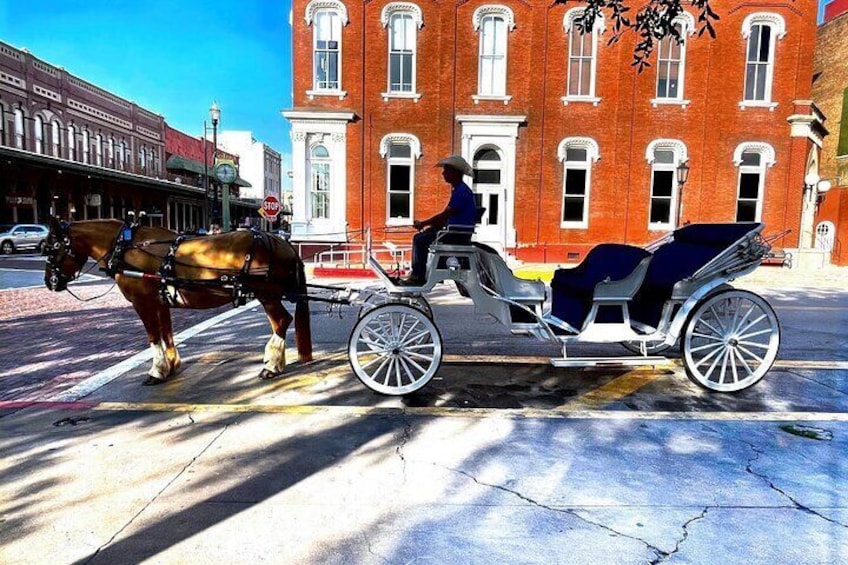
(157, 269)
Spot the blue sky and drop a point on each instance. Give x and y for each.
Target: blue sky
(173, 57)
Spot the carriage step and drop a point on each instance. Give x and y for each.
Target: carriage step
(609, 361)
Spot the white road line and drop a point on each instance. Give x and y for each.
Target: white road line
(89, 385)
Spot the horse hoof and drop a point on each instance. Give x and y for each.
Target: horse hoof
(152, 381)
(265, 374)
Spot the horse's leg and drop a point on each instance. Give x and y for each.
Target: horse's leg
(275, 349)
(148, 311)
(172, 355)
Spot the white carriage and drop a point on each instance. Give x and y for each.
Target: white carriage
(647, 299)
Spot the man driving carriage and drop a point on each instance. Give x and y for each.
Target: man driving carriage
(461, 210)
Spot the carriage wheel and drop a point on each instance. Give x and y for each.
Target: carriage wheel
(395, 349)
(731, 341)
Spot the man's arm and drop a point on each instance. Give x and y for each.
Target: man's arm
(438, 221)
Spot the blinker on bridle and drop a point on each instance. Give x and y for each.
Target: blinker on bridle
(54, 259)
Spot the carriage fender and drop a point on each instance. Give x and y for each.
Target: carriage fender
(689, 304)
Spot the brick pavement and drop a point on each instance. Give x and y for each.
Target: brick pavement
(50, 341)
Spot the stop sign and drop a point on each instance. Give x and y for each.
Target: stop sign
(271, 206)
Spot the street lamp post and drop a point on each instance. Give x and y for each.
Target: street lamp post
(215, 116)
(682, 177)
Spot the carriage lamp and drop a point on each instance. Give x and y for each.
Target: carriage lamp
(682, 176)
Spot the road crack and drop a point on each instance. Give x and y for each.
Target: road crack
(812, 380)
(661, 554)
(403, 439)
(770, 483)
(690, 521)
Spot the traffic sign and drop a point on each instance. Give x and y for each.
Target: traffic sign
(271, 207)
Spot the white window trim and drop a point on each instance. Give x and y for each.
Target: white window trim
(312, 10)
(477, 20)
(20, 128)
(681, 155)
(687, 29)
(598, 28)
(385, 18)
(778, 26)
(415, 154)
(764, 149)
(592, 156)
(321, 160)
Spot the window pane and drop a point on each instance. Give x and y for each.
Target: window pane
(573, 78)
(576, 154)
(487, 36)
(572, 210)
(753, 43)
(585, 78)
(394, 71)
(399, 205)
(575, 182)
(663, 183)
(494, 203)
(760, 92)
(746, 211)
(406, 75)
(749, 158)
(487, 176)
(486, 71)
(750, 81)
(400, 150)
(662, 79)
(487, 155)
(765, 43)
(586, 44)
(749, 185)
(660, 211)
(664, 156)
(674, 70)
(320, 151)
(399, 178)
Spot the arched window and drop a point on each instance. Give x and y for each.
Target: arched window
(86, 146)
(56, 138)
(72, 142)
(664, 155)
(2, 124)
(39, 134)
(401, 53)
(20, 134)
(142, 159)
(577, 155)
(327, 19)
(122, 155)
(153, 162)
(320, 182)
(400, 151)
(824, 236)
(491, 79)
(110, 153)
(671, 60)
(582, 56)
(752, 159)
(761, 29)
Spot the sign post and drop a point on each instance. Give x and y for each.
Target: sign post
(270, 208)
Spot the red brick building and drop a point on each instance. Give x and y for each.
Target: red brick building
(571, 146)
(830, 92)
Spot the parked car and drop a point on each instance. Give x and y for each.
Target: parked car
(21, 237)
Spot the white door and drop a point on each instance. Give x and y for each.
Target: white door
(490, 191)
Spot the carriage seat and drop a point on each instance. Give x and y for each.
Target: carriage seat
(573, 290)
(691, 248)
(457, 234)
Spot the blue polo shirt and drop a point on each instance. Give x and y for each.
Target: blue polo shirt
(462, 206)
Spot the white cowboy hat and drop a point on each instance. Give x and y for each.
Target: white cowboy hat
(458, 163)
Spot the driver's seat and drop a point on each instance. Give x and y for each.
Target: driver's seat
(457, 234)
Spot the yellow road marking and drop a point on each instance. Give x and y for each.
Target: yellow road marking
(616, 389)
(534, 413)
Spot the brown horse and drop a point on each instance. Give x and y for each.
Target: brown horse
(202, 273)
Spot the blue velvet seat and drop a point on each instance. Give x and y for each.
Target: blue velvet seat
(573, 289)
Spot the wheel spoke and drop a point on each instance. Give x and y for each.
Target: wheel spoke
(377, 335)
(754, 344)
(406, 370)
(705, 336)
(707, 357)
(414, 364)
(389, 371)
(418, 356)
(744, 363)
(744, 318)
(723, 366)
(429, 345)
(752, 324)
(750, 353)
(712, 329)
(373, 344)
(409, 331)
(713, 366)
(718, 320)
(397, 372)
(708, 346)
(374, 360)
(733, 369)
(380, 368)
(755, 334)
(415, 338)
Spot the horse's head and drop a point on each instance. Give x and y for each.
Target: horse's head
(62, 264)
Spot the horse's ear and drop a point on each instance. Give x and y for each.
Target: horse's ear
(54, 223)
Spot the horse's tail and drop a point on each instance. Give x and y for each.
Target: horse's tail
(302, 329)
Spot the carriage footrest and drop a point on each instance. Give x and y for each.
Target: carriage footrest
(608, 361)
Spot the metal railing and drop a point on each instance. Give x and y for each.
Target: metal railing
(348, 254)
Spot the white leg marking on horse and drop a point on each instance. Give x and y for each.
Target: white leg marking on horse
(275, 354)
(160, 368)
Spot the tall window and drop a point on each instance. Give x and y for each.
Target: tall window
(39, 134)
(2, 124)
(98, 149)
(749, 199)
(122, 155)
(576, 155)
(670, 66)
(72, 143)
(663, 190)
(110, 153)
(327, 34)
(56, 138)
(320, 187)
(400, 182)
(759, 64)
(142, 160)
(581, 63)
(402, 53)
(492, 77)
(86, 146)
(20, 135)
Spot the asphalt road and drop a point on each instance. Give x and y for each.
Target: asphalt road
(501, 459)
